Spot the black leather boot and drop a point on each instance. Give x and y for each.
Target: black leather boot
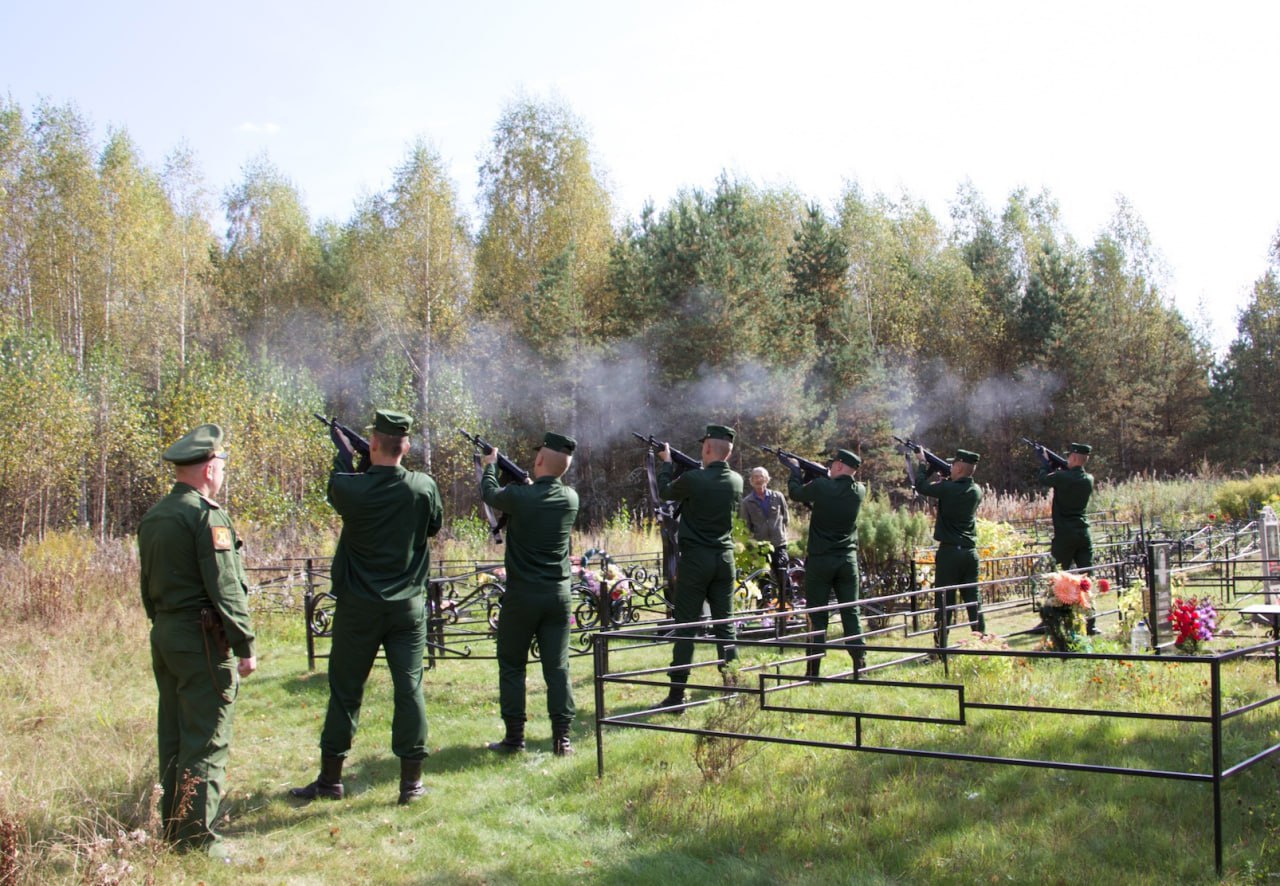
(328, 784)
(813, 667)
(675, 698)
(560, 744)
(514, 740)
(411, 786)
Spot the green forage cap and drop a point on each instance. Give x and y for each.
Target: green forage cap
(197, 445)
(718, 432)
(966, 455)
(1082, 448)
(559, 442)
(849, 458)
(393, 424)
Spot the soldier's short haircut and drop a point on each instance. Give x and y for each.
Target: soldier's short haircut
(719, 448)
(555, 463)
(394, 444)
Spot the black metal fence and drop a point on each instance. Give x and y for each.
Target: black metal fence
(909, 651)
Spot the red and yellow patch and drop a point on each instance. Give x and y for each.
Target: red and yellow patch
(222, 538)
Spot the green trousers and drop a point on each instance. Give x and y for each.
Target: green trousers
(1072, 550)
(360, 629)
(825, 575)
(197, 691)
(959, 566)
(705, 575)
(526, 616)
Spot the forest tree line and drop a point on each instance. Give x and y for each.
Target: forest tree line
(129, 316)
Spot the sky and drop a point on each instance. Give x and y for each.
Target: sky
(1168, 105)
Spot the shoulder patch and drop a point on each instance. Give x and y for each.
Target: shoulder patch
(222, 538)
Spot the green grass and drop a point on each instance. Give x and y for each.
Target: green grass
(77, 768)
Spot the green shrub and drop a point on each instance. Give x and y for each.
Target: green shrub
(1241, 499)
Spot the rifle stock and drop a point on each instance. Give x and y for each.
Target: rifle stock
(1059, 463)
(935, 462)
(358, 443)
(808, 469)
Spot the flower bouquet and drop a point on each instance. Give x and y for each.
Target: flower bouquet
(1194, 621)
(1065, 607)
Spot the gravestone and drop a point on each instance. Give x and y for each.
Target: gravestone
(1269, 541)
(1159, 596)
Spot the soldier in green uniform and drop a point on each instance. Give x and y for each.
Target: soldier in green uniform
(195, 593)
(379, 579)
(956, 531)
(1072, 545)
(708, 497)
(536, 602)
(831, 563)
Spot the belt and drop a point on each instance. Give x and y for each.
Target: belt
(957, 547)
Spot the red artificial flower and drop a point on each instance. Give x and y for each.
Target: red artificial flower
(1085, 584)
(1103, 585)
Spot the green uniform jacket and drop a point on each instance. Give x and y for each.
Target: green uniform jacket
(833, 528)
(1072, 489)
(958, 502)
(709, 497)
(541, 517)
(191, 560)
(388, 514)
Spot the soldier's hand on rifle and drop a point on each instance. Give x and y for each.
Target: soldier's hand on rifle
(340, 440)
(490, 457)
(794, 464)
(664, 454)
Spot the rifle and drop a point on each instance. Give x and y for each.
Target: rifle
(1057, 461)
(359, 444)
(667, 513)
(508, 469)
(679, 459)
(508, 472)
(809, 470)
(935, 463)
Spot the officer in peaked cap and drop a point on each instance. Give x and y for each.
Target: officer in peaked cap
(195, 593)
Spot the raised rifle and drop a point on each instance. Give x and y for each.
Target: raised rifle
(809, 470)
(679, 459)
(359, 444)
(936, 463)
(508, 472)
(1057, 461)
(667, 513)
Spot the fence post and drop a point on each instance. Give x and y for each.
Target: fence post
(308, 605)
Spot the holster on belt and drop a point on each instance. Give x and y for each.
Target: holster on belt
(211, 624)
